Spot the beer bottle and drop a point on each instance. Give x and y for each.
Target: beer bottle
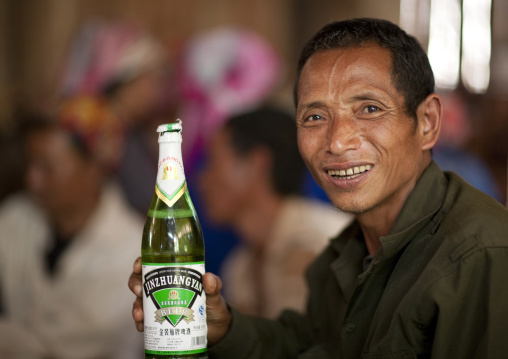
(173, 261)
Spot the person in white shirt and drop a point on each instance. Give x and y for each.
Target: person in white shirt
(252, 183)
(66, 245)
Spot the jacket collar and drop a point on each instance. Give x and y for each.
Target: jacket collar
(422, 204)
(351, 251)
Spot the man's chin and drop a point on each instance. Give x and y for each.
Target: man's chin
(353, 208)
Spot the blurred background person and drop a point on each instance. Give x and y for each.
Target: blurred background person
(219, 72)
(451, 151)
(130, 70)
(252, 182)
(67, 243)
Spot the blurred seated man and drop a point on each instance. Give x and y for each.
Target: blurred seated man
(66, 244)
(252, 182)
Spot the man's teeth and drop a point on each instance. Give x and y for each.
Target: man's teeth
(350, 172)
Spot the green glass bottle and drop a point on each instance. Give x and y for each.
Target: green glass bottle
(173, 254)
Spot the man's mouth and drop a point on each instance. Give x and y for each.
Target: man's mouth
(350, 172)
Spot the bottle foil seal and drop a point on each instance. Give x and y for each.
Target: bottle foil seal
(170, 127)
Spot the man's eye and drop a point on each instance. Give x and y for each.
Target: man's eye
(314, 118)
(371, 109)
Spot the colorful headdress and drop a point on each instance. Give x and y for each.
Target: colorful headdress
(223, 72)
(94, 129)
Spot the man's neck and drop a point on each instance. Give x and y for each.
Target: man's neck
(255, 221)
(374, 227)
(69, 223)
(378, 221)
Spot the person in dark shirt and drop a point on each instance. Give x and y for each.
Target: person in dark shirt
(421, 271)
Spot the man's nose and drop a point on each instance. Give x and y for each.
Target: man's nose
(34, 179)
(343, 134)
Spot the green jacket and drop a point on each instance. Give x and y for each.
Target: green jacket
(438, 287)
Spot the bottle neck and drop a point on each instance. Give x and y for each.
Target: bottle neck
(171, 184)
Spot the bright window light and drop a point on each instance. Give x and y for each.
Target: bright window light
(408, 15)
(414, 19)
(444, 42)
(476, 44)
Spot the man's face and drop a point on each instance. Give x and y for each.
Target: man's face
(142, 96)
(225, 181)
(57, 176)
(353, 131)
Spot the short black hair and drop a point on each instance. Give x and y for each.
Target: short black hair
(412, 74)
(32, 122)
(275, 130)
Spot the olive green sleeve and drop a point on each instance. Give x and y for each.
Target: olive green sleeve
(471, 306)
(258, 338)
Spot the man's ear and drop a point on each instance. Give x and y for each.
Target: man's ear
(430, 114)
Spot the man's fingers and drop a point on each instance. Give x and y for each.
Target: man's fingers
(217, 313)
(137, 314)
(135, 283)
(215, 304)
(211, 284)
(137, 267)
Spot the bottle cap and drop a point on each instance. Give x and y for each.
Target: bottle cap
(170, 127)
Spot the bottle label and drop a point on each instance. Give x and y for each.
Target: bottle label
(170, 184)
(174, 304)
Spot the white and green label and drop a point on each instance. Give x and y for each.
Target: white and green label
(175, 308)
(170, 179)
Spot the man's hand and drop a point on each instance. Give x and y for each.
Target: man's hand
(135, 285)
(218, 317)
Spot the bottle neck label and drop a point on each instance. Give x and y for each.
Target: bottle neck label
(170, 185)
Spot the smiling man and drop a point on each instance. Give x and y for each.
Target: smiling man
(421, 272)
(358, 138)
